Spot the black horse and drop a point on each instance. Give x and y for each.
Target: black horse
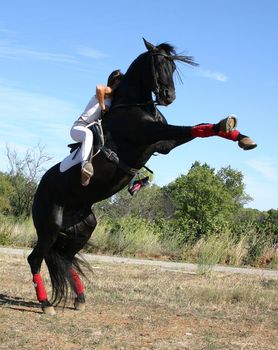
(134, 129)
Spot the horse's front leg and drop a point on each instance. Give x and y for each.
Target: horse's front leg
(226, 128)
(164, 147)
(177, 135)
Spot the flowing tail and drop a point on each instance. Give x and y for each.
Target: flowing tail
(61, 274)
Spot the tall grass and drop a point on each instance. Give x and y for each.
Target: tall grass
(251, 249)
(16, 233)
(210, 251)
(132, 236)
(6, 232)
(128, 236)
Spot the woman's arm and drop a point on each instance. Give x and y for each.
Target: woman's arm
(102, 92)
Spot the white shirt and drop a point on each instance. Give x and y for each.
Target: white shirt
(92, 111)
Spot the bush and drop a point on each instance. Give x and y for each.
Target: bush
(6, 231)
(128, 236)
(6, 193)
(210, 251)
(16, 233)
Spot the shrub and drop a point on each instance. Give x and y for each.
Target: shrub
(128, 235)
(17, 233)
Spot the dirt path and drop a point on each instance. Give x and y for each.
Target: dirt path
(134, 304)
(165, 265)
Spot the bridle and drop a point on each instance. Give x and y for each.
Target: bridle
(171, 57)
(157, 88)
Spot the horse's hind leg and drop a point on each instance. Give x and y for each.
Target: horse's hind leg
(47, 236)
(35, 259)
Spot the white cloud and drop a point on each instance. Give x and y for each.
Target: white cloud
(90, 52)
(265, 167)
(28, 118)
(17, 105)
(213, 75)
(11, 50)
(6, 31)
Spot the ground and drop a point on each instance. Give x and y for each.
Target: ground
(141, 307)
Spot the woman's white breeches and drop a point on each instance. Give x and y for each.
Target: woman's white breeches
(82, 134)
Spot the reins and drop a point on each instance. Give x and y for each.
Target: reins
(120, 105)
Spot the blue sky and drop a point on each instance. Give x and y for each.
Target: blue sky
(53, 53)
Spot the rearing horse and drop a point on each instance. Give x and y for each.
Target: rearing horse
(133, 129)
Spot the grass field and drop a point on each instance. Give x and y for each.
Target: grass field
(142, 307)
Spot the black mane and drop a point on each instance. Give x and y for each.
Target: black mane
(168, 48)
(171, 51)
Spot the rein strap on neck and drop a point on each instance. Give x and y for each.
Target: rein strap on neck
(121, 105)
(113, 157)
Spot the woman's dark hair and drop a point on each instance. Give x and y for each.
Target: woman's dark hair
(114, 78)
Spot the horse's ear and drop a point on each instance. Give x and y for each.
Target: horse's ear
(149, 46)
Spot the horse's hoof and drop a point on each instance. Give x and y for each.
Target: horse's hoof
(49, 310)
(228, 124)
(79, 306)
(246, 143)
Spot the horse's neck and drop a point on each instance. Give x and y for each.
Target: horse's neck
(133, 89)
(131, 94)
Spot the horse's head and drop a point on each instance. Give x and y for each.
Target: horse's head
(162, 64)
(151, 72)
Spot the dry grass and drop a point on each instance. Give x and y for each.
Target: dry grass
(139, 307)
(139, 238)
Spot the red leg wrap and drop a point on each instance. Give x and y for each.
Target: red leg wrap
(78, 285)
(203, 130)
(233, 135)
(39, 286)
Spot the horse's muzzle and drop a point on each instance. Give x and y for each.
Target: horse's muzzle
(165, 97)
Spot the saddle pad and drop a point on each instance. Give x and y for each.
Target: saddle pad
(71, 160)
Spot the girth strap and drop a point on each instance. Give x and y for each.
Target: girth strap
(113, 157)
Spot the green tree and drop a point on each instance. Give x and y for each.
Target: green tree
(6, 193)
(150, 203)
(233, 183)
(24, 174)
(205, 202)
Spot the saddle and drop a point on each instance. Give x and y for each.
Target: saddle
(98, 140)
(98, 145)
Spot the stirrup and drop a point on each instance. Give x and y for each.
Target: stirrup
(138, 184)
(87, 171)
